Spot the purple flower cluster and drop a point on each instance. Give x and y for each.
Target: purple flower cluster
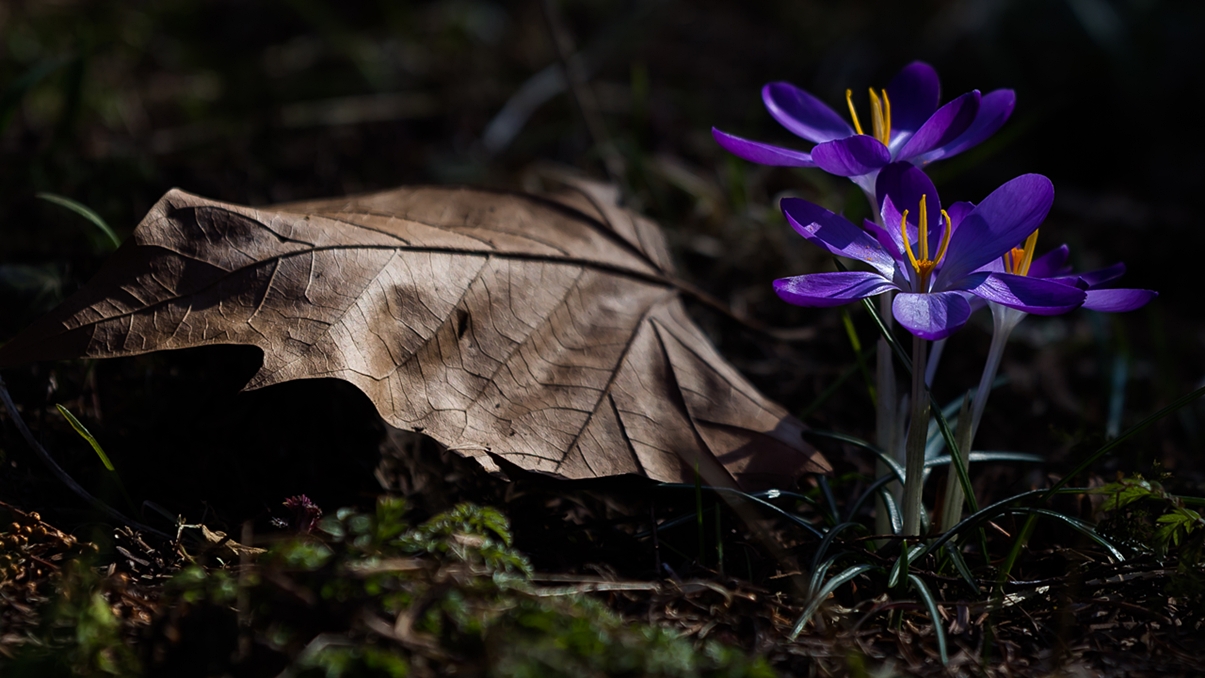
(943, 264)
(907, 125)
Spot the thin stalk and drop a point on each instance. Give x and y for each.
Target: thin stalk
(1010, 560)
(577, 79)
(1003, 323)
(1004, 320)
(885, 403)
(914, 467)
(886, 426)
(951, 512)
(64, 477)
(939, 347)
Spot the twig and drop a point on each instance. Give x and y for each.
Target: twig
(63, 476)
(579, 90)
(778, 333)
(550, 81)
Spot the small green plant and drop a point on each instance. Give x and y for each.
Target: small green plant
(366, 594)
(80, 635)
(1142, 514)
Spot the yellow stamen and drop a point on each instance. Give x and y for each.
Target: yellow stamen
(1018, 259)
(945, 241)
(925, 266)
(907, 245)
(1030, 245)
(876, 115)
(849, 99)
(923, 228)
(880, 116)
(886, 139)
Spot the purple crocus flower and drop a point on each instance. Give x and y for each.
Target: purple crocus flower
(930, 256)
(1096, 284)
(906, 125)
(1051, 267)
(1099, 295)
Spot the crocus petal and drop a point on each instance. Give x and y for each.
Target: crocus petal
(914, 93)
(836, 234)
(891, 217)
(851, 156)
(1050, 264)
(1032, 295)
(903, 184)
(997, 266)
(892, 245)
(1002, 221)
(1101, 276)
(931, 316)
(944, 126)
(831, 289)
(803, 114)
(994, 110)
(959, 211)
(760, 153)
(1117, 301)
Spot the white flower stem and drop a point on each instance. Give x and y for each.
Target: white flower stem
(939, 347)
(1004, 319)
(914, 468)
(886, 426)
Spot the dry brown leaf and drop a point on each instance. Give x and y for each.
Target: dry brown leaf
(546, 331)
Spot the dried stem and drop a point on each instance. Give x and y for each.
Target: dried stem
(581, 93)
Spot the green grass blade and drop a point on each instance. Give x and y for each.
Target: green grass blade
(985, 513)
(1129, 433)
(999, 508)
(834, 511)
(1024, 457)
(899, 569)
(778, 494)
(758, 501)
(1023, 535)
(898, 350)
(1006, 568)
(964, 477)
(960, 564)
(897, 520)
(896, 469)
(923, 590)
(822, 595)
(935, 442)
(822, 548)
(85, 212)
(1076, 524)
(818, 574)
(859, 356)
(870, 492)
(83, 433)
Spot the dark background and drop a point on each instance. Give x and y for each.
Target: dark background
(112, 104)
